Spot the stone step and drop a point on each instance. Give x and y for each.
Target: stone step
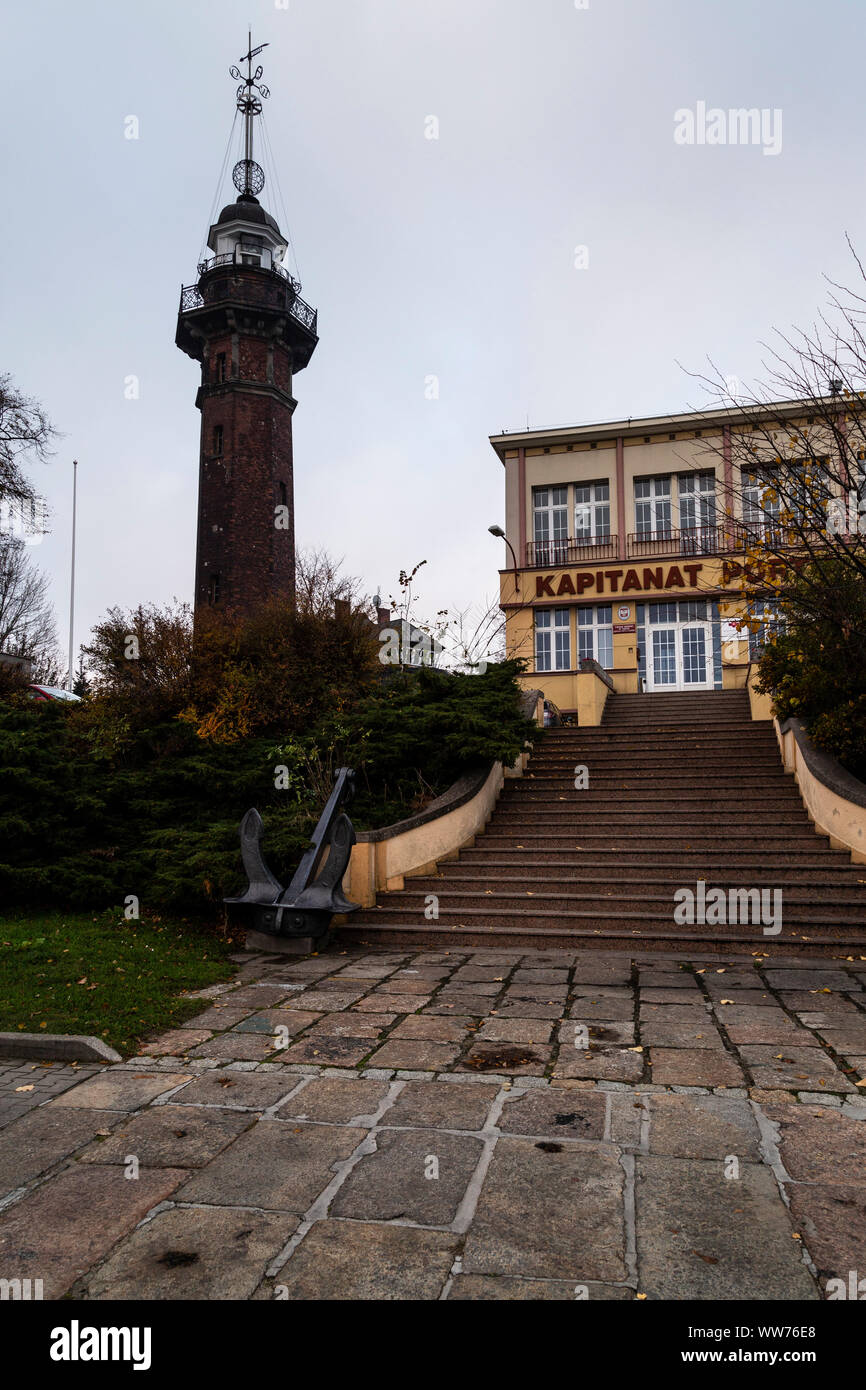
(818, 856)
(642, 921)
(846, 904)
(661, 832)
(502, 874)
(707, 941)
(633, 919)
(638, 800)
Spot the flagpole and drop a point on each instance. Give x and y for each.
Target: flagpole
(70, 681)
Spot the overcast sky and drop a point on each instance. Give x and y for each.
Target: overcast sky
(451, 257)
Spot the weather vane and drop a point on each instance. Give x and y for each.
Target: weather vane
(248, 176)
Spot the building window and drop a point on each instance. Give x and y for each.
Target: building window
(213, 589)
(693, 611)
(552, 640)
(761, 502)
(284, 500)
(697, 498)
(217, 441)
(591, 512)
(652, 507)
(662, 612)
(550, 524)
(686, 611)
(595, 634)
(766, 622)
(220, 368)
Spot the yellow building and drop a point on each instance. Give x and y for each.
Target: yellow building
(626, 544)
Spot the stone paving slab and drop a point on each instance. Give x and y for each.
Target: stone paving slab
(702, 1127)
(43, 1138)
(486, 1287)
(349, 1261)
(193, 1253)
(235, 1089)
(550, 1214)
(702, 1235)
(120, 1090)
(334, 1100)
(432, 1131)
(275, 1166)
(548, 1115)
(170, 1136)
(59, 1231)
(414, 1175)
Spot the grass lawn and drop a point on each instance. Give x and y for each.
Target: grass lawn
(99, 974)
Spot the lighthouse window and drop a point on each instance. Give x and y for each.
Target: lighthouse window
(220, 369)
(213, 589)
(217, 440)
(250, 252)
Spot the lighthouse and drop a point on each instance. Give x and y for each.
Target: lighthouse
(245, 322)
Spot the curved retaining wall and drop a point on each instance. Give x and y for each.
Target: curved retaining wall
(834, 798)
(382, 859)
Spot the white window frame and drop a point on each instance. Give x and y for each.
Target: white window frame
(553, 639)
(697, 501)
(550, 522)
(772, 624)
(591, 512)
(653, 506)
(595, 631)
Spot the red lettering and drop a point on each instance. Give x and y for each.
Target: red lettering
(730, 570)
(692, 571)
(675, 579)
(613, 576)
(584, 581)
(566, 585)
(653, 579)
(631, 581)
(542, 585)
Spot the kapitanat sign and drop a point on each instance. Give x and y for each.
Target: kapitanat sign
(608, 581)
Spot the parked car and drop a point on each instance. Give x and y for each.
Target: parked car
(51, 692)
(552, 717)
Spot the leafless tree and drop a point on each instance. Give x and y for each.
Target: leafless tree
(472, 638)
(320, 582)
(27, 625)
(25, 431)
(794, 454)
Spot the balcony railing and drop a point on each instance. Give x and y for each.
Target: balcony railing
(236, 258)
(686, 540)
(729, 537)
(572, 552)
(191, 296)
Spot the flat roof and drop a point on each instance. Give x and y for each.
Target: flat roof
(649, 424)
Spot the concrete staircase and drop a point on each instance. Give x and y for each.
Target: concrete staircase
(682, 787)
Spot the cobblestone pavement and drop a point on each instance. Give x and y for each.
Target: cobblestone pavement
(24, 1085)
(458, 1125)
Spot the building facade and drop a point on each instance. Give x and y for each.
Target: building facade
(628, 545)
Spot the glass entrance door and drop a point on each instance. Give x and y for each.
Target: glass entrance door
(663, 659)
(694, 647)
(680, 648)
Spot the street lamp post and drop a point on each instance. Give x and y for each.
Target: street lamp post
(498, 531)
(70, 679)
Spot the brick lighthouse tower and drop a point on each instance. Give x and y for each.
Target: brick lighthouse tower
(245, 322)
